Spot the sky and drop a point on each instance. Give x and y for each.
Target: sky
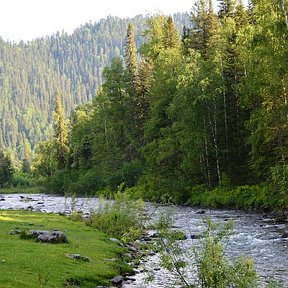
(29, 19)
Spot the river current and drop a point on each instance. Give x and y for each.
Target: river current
(255, 235)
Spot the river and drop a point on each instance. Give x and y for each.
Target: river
(256, 236)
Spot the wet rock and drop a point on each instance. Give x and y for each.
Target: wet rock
(269, 220)
(117, 280)
(155, 235)
(132, 248)
(25, 199)
(285, 233)
(132, 273)
(157, 269)
(146, 239)
(195, 236)
(2, 199)
(281, 219)
(200, 212)
(129, 280)
(40, 202)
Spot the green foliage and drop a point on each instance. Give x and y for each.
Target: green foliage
(60, 132)
(280, 178)
(213, 269)
(243, 197)
(121, 219)
(131, 172)
(6, 170)
(21, 179)
(211, 111)
(32, 72)
(45, 163)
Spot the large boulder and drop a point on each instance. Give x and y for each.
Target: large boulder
(46, 236)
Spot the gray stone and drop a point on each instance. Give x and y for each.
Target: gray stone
(285, 234)
(117, 280)
(15, 232)
(115, 240)
(78, 257)
(46, 236)
(200, 212)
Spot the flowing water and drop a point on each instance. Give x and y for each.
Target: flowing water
(256, 237)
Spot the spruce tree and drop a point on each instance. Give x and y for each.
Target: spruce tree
(60, 132)
(131, 58)
(6, 169)
(171, 37)
(226, 8)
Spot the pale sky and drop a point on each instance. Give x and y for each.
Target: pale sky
(29, 19)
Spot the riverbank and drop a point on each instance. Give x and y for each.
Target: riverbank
(255, 235)
(87, 260)
(251, 198)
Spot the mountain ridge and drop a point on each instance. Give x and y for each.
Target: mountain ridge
(31, 72)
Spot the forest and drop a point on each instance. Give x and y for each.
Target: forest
(195, 115)
(31, 72)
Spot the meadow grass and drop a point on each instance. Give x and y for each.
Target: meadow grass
(26, 263)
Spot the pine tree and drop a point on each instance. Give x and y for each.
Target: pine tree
(171, 37)
(226, 8)
(6, 169)
(131, 58)
(60, 132)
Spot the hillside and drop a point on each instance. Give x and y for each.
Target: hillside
(30, 74)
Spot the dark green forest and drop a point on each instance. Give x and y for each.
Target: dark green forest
(31, 73)
(196, 115)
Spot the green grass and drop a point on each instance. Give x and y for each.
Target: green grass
(242, 197)
(26, 263)
(22, 189)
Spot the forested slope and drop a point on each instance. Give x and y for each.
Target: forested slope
(190, 113)
(30, 74)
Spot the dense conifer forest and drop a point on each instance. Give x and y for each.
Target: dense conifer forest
(177, 114)
(31, 73)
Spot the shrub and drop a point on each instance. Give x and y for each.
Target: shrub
(131, 172)
(122, 218)
(21, 179)
(213, 269)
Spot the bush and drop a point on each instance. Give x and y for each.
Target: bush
(87, 182)
(21, 179)
(131, 172)
(121, 218)
(241, 197)
(213, 269)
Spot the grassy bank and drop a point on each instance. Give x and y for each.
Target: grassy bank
(23, 190)
(26, 263)
(243, 197)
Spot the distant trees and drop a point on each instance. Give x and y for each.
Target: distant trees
(32, 72)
